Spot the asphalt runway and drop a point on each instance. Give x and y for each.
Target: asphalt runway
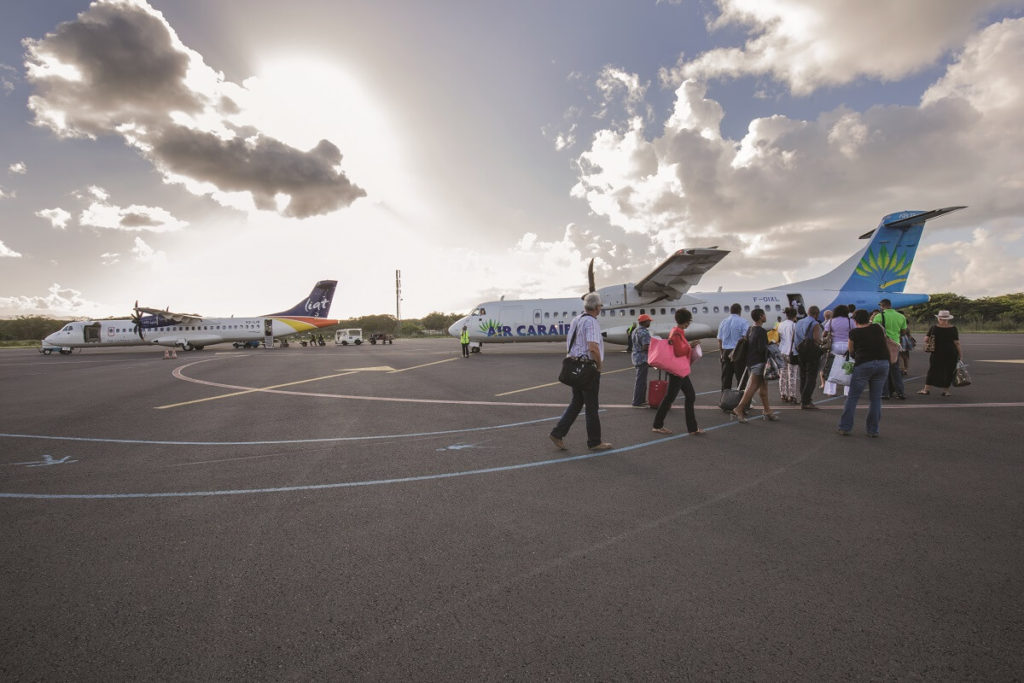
(398, 513)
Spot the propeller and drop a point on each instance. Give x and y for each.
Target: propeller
(137, 319)
(590, 277)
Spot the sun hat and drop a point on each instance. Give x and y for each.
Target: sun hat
(944, 315)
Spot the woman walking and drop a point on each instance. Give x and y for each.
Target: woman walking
(870, 370)
(944, 340)
(680, 347)
(757, 358)
(789, 373)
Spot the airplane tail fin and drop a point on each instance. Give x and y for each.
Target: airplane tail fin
(316, 305)
(884, 264)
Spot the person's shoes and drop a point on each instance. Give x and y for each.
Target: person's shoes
(947, 393)
(640, 405)
(603, 446)
(661, 430)
(740, 417)
(699, 432)
(809, 406)
(873, 435)
(885, 397)
(843, 432)
(772, 416)
(924, 392)
(901, 397)
(559, 444)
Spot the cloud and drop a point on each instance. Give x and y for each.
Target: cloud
(144, 253)
(797, 191)
(6, 194)
(109, 258)
(18, 168)
(58, 302)
(120, 68)
(58, 217)
(7, 76)
(808, 44)
(7, 252)
(135, 218)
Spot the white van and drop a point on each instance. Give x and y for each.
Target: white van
(346, 337)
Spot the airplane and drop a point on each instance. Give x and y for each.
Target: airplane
(190, 331)
(878, 270)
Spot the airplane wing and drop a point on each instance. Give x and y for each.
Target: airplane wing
(681, 271)
(186, 318)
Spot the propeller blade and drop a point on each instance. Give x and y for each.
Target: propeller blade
(590, 277)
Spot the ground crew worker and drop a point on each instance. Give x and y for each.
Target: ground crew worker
(464, 338)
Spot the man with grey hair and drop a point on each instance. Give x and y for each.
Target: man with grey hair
(584, 340)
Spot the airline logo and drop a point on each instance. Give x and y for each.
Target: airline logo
(315, 308)
(885, 268)
(494, 328)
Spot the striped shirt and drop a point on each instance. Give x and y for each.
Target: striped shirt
(589, 331)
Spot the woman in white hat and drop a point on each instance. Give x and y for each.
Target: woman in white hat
(943, 342)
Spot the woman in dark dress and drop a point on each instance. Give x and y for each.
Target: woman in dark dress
(942, 363)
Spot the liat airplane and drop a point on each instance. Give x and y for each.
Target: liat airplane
(192, 332)
(878, 270)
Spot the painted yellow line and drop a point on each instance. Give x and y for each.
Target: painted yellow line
(250, 391)
(416, 367)
(376, 368)
(551, 384)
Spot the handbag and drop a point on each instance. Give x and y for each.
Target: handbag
(929, 344)
(842, 370)
(771, 370)
(732, 397)
(661, 355)
(962, 378)
(578, 372)
(808, 348)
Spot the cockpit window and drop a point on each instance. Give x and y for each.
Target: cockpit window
(479, 311)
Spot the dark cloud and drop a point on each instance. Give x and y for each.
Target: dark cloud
(119, 68)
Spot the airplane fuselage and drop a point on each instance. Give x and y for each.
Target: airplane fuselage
(537, 320)
(163, 332)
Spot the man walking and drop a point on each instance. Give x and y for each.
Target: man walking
(807, 328)
(730, 331)
(584, 339)
(895, 325)
(641, 339)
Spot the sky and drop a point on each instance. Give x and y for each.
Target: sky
(221, 157)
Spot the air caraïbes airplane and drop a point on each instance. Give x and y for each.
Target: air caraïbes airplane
(879, 270)
(193, 332)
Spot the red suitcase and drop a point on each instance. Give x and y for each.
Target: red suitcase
(656, 390)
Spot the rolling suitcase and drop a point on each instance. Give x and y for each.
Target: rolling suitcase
(656, 390)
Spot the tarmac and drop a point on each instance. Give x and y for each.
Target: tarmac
(399, 513)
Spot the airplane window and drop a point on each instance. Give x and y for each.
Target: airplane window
(632, 313)
(694, 309)
(747, 309)
(663, 311)
(547, 314)
(536, 314)
(704, 309)
(483, 312)
(716, 309)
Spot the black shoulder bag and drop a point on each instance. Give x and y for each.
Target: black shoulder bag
(577, 372)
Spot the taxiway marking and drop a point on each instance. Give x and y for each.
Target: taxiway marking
(416, 367)
(253, 390)
(552, 384)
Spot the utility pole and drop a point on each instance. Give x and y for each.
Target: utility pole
(398, 301)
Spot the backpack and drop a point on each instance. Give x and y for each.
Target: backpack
(739, 354)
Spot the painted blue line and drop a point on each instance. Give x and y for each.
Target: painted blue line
(331, 439)
(350, 484)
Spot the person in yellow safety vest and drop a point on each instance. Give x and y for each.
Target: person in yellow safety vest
(464, 338)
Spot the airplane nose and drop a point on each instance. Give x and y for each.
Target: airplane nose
(456, 329)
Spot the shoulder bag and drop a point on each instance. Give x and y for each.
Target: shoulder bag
(842, 370)
(577, 372)
(661, 355)
(894, 347)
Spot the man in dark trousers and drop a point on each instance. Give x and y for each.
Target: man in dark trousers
(810, 355)
(730, 331)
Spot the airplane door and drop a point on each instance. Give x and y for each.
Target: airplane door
(91, 333)
(268, 333)
(797, 302)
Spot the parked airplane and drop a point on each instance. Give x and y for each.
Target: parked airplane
(190, 331)
(879, 270)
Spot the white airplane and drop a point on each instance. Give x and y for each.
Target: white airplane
(878, 270)
(192, 332)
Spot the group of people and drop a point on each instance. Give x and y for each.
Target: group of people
(795, 351)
